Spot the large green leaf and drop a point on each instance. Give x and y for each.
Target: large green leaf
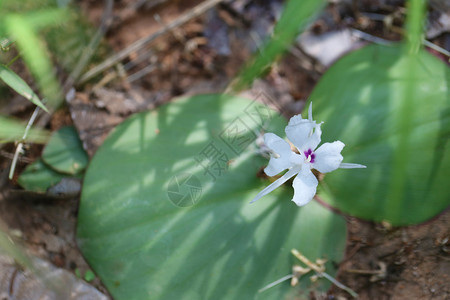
(154, 224)
(392, 111)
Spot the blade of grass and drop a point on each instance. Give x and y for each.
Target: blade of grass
(35, 55)
(44, 18)
(16, 83)
(295, 17)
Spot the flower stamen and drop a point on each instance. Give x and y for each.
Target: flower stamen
(310, 156)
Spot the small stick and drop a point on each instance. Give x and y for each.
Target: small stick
(20, 145)
(320, 272)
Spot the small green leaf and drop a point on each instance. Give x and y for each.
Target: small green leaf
(89, 276)
(38, 177)
(152, 216)
(64, 152)
(77, 273)
(16, 83)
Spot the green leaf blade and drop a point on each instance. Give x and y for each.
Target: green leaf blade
(20, 86)
(295, 17)
(36, 57)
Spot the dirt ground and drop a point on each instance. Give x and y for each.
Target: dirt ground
(204, 55)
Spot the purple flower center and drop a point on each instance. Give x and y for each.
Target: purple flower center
(310, 156)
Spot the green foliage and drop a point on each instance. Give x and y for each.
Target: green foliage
(62, 156)
(16, 83)
(69, 41)
(13, 130)
(35, 55)
(64, 152)
(295, 17)
(364, 100)
(89, 275)
(134, 232)
(38, 177)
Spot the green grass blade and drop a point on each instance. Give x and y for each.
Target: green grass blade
(35, 55)
(45, 18)
(16, 83)
(295, 16)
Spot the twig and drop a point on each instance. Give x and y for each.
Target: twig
(306, 261)
(20, 145)
(436, 48)
(139, 74)
(321, 273)
(373, 39)
(11, 156)
(109, 62)
(370, 38)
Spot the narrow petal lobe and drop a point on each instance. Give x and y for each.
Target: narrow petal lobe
(288, 175)
(351, 166)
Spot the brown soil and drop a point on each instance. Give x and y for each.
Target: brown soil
(403, 263)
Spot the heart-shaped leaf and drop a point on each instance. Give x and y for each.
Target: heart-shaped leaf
(64, 152)
(392, 111)
(165, 210)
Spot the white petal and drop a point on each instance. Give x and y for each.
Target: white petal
(305, 185)
(351, 166)
(288, 175)
(283, 150)
(303, 133)
(310, 118)
(328, 157)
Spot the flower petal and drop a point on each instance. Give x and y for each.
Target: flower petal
(351, 166)
(288, 175)
(303, 133)
(310, 118)
(283, 151)
(328, 157)
(305, 185)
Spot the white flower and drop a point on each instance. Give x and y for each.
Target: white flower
(304, 134)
